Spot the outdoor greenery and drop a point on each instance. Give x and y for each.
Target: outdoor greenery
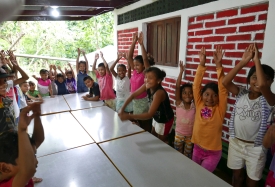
(56, 39)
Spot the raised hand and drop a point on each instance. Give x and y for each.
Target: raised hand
(54, 67)
(69, 64)
(140, 38)
(51, 67)
(125, 55)
(248, 54)
(256, 53)
(101, 54)
(135, 37)
(182, 67)
(58, 67)
(25, 119)
(202, 56)
(78, 51)
(96, 56)
(119, 55)
(217, 55)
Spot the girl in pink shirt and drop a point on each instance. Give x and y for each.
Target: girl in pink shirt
(44, 83)
(185, 113)
(105, 82)
(138, 65)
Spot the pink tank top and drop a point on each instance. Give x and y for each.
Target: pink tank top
(137, 80)
(105, 86)
(185, 119)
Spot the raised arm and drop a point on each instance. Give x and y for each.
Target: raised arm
(129, 70)
(131, 50)
(262, 81)
(112, 68)
(59, 68)
(50, 72)
(54, 72)
(86, 60)
(105, 63)
(24, 77)
(217, 56)
(178, 96)
(77, 59)
(199, 76)
(144, 53)
(71, 70)
(94, 64)
(227, 80)
(35, 77)
(38, 130)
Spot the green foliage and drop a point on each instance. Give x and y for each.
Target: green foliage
(56, 39)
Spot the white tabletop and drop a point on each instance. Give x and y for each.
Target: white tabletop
(103, 124)
(62, 132)
(76, 102)
(145, 161)
(54, 105)
(80, 167)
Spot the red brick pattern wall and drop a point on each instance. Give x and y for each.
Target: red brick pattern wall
(124, 41)
(234, 30)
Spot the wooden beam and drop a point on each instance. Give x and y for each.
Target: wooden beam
(47, 18)
(89, 3)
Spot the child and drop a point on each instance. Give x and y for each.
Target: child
(185, 113)
(44, 83)
(249, 119)
(52, 78)
(81, 69)
(32, 93)
(105, 82)
(94, 93)
(210, 104)
(60, 81)
(138, 65)
(268, 142)
(70, 80)
(24, 87)
(17, 150)
(122, 84)
(160, 109)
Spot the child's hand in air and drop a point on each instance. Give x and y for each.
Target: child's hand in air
(182, 67)
(119, 55)
(125, 55)
(78, 51)
(217, 55)
(69, 64)
(140, 38)
(101, 54)
(256, 53)
(25, 119)
(135, 37)
(59, 68)
(96, 56)
(202, 56)
(51, 67)
(247, 55)
(54, 67)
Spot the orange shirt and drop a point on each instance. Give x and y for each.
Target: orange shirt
(207, 133)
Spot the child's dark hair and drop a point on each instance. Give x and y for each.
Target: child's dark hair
(31, 83)
(151, 60)
(121, 66)
(160, 74)
(268, 71)
(186, 85)
(43, 71)
(60, 75)
(212, 85)
(101, 65)
(82, 62)
(69, 72)
(140, 59)
(9, 147)
(88, 78)
(25, 82)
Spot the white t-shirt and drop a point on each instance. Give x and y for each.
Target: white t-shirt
(122, 88)
(15, 105)
(22, 99)
(248, 118)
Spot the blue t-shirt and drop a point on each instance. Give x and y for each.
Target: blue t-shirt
(61, 88)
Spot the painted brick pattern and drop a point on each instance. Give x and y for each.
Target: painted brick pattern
(234, 30)
(124, 41)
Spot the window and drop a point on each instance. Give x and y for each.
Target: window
(163, 39)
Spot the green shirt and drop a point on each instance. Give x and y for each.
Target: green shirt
(34, 93)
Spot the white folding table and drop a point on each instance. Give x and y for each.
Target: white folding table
(62, 132)
(146, 161)
(53, 105)
(103, 124)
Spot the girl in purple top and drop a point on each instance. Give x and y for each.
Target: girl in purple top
(138, 65)
(70, 80)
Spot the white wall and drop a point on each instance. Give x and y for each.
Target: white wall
(269, 42)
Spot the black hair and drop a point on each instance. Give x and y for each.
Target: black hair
(212, 85)
(60, 75)
(160, 74)
(151, 60)
(88, 78)
(31, 83)
(43, 71)
(82, 62)
(186, 85)
(69, 72)
(9, 147)
(268, 71)
(101, 65)
(121, 66)
(139, 59)
(23, 83)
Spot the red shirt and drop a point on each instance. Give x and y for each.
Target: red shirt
(9, 183)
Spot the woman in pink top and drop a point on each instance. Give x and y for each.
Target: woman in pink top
(138, 65)
(105, 82)
(185, 113)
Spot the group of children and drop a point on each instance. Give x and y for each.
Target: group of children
(140, 97)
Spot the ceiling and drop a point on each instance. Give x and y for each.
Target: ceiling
(41, 10)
